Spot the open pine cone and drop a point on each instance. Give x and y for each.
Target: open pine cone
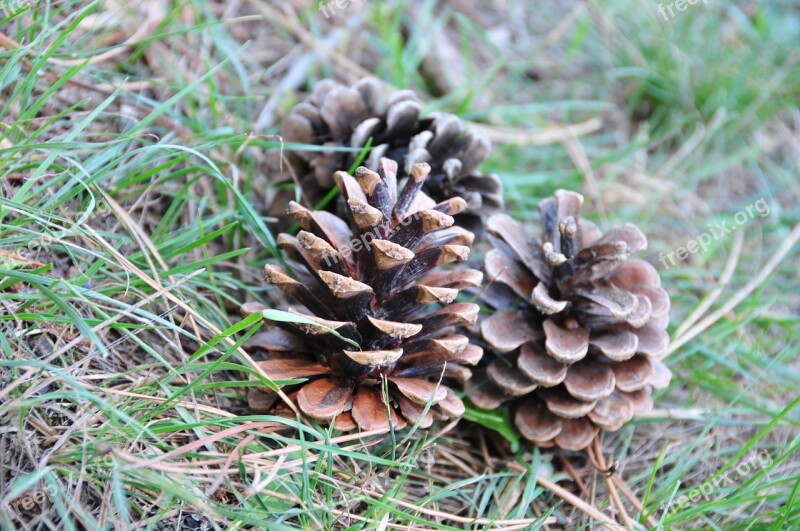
(370, 278)
(580, 330)
(337, 116)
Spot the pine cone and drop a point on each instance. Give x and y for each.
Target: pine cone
(579, 337)
(337, 116)
(370, 278)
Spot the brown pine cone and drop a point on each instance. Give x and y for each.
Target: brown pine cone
(370, 277)
(336, 116)
(581, 328)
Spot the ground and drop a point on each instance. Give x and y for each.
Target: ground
(132, 226)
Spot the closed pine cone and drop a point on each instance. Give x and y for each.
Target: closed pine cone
(337, 116)
(579, 338)
(373, 278)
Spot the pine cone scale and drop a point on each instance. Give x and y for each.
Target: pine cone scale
(537, 365)
(536, 422)
(288, 369)
(324, 398)
(566, 344)
(617, 345)
(507, 330)
(413, 413)
(633, 374)
(612, 412)
(370, 411)
(589, 380)
(576, 434)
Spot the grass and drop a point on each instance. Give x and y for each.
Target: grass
(131, 229)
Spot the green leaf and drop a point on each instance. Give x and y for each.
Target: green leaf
(498, 420)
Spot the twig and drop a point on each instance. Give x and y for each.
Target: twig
(548, 135)
(570, 498)
(626, 490)
(577, 503)
(612, 490)
(574, 473)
